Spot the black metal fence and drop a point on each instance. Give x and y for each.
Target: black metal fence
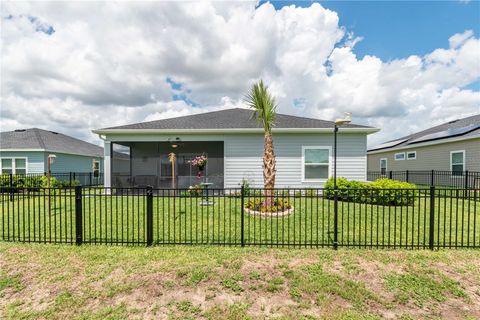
(400, 218)
(462, 180)
(62, 179)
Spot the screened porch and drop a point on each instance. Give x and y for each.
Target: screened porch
(141, 164)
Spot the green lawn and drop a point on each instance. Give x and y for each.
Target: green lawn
(39, 281)
(113, 219)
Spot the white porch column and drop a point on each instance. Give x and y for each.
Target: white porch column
(107, 164)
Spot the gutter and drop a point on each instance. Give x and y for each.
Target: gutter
(51, 151)
(231, 131)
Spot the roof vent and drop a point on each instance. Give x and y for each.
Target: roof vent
(54, 132)
(19, 130)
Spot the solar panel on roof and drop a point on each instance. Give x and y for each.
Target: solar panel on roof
(452, 132)
(388, 144)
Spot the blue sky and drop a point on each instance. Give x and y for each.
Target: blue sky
(396, 29)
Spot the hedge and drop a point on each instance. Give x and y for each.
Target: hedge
(382, 191)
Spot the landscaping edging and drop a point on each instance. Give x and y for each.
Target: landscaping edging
(270, 214)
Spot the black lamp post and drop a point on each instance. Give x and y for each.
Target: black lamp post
(338, 122)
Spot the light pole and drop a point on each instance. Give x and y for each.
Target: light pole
(338, 122)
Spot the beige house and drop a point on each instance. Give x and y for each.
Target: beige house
(452, 148)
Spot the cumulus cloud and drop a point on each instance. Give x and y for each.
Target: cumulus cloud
(111, 63)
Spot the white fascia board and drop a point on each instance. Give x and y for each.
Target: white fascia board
(50, 151)
(424, 144)
(232, 131)
(22, 150)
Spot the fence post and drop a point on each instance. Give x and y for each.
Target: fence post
(70, 178)
(390, 175)
(242, 220)
(90, 179)
(406, 176)
(466, 179)
(432, 218)
(149, 216)
(432, 178)
(11, 187)
(335, 217)
(78, 216)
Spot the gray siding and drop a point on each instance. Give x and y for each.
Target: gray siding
(435, 157)
(243, 158)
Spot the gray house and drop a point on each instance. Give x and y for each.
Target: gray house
(25, 152)
(138, 154)
(452, 146)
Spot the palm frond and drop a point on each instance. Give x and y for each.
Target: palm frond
(263, 105)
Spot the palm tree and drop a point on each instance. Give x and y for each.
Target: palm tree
(264, 106)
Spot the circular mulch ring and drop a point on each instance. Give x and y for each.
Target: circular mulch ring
(270, 214)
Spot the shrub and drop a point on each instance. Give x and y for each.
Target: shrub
(381, 192)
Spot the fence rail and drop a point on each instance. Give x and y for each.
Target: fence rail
(455, 179)
(426, 218)
(37, 180)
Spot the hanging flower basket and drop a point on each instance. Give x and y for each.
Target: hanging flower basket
(200, 162)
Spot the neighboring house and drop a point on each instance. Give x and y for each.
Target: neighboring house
(25, 152)
(233, 142)
(452, 146)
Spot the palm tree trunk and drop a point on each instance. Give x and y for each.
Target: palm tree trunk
(269, 169)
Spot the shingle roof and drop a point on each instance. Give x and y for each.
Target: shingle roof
(466, 127)
(229, 119)
(35, 138)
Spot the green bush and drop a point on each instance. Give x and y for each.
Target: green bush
(381, 192)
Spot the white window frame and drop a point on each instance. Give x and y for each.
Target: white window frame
(386, 165)
(14, 161)
(395, 156)
(329, 162)
(415, 155)
(463, 163)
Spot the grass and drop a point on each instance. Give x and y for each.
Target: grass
(180, 282)
(122, 219)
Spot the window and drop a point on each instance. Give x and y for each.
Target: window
(13, 165)
(7, 166)
(20, 166)
(400, 156)
(316, 163)
(412, 155)
(96, 168)
(383, 166)
(457, 162)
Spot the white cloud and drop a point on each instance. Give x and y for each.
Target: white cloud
(107, 63)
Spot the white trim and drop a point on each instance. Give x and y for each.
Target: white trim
(14, 164)
(19, 150)
(386, 165)
(410, 152)
(49, 151)
(329, 162)
(399, 153)
(463, 162)
(233, 130)
(424, 144)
